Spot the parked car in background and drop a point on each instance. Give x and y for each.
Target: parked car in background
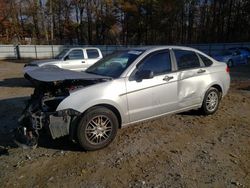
(231, 57)
(243, 50)
(77, 59)
(123, 89)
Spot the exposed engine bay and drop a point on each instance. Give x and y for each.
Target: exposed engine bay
(40, 111)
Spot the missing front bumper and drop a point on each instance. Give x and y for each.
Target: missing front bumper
(59, 122)
(59, 126)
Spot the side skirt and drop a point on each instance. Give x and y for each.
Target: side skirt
(168, 113)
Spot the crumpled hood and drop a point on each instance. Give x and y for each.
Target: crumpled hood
(51, 74)
(44, 62)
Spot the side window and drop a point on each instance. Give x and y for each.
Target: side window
(207, 62)
(158, 63)
(92, 53)
(186, 59)
(76, 54)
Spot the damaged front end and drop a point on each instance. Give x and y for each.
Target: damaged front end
(40, 112)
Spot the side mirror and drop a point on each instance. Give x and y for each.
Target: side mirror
(66, 58)
(143, 74)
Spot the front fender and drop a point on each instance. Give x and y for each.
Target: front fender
(107, 93)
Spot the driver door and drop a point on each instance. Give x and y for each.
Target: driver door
(74, 60)
(152, 96)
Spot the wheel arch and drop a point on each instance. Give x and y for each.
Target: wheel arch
(75, 121)
(219, 88)
(113, 109)
(215, 85)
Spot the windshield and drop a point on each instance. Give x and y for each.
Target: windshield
(61, 54)
(114, 65)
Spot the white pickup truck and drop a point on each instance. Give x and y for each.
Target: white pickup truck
(77, 59)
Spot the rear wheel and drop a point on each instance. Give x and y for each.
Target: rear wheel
(211, 101)
(97, 129)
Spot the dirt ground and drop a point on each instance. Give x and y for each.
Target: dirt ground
(183, 150)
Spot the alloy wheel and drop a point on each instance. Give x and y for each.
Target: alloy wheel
(98, 129)
(212, 101)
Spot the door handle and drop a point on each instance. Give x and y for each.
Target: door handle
(201, 71)
(167, 78)
(83, 61)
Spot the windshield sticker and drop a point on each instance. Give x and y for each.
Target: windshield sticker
(135, 52)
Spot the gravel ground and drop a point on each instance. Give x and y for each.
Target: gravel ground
(182, 150)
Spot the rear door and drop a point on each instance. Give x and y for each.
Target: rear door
(74, 60)
(155, 96)
(92, 56)
(193, 77)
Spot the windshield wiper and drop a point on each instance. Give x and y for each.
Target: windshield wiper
(106, 77)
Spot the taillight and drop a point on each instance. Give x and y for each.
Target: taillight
(227, 69)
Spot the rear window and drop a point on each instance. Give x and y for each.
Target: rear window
(92, 53)
(207, 62)
(186, 59)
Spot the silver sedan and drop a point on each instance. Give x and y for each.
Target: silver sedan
(123, 89)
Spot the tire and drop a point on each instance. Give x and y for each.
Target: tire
(211, 101)
(230, 63)
(97, 128)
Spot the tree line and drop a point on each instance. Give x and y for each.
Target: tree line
(124, 22)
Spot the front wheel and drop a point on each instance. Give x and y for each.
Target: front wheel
(97, 129)
(211, 101)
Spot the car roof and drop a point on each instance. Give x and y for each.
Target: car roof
(163, 47)
(149, 49)
(82, 48)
